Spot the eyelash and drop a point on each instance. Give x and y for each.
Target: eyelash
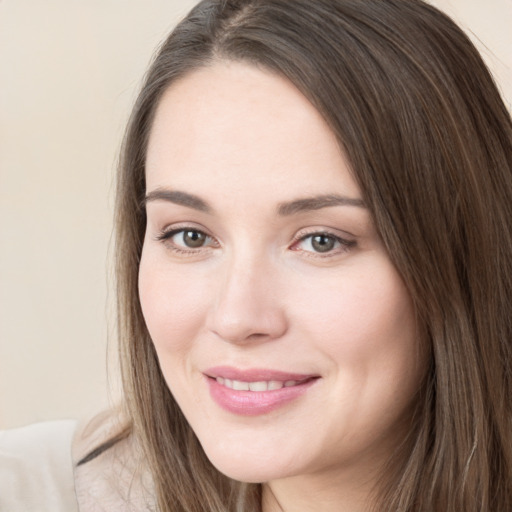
(166, 238)
(344, 244)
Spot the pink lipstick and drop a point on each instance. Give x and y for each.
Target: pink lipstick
(255, 391)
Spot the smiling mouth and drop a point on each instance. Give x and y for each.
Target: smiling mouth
(259, 386)
(255, 392)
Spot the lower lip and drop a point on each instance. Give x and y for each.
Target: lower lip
(253, 403)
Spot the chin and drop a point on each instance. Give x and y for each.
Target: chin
(248, 468)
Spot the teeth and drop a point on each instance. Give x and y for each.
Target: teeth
(258, 386)
(274, 384)
(239, 385)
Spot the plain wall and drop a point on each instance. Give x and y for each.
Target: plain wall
(69, 72)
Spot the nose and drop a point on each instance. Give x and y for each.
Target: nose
(246, 307)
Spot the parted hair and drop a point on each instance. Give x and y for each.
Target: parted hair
(429, 140)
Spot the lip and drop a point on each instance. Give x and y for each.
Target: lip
(255, 374)
(253, 403)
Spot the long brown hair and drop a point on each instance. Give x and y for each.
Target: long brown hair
(430, 141)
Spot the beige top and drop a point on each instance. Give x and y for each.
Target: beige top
(39, 469)
(36, 471)
(115, 480)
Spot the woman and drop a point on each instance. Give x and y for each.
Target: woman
(376, 128)
(314, 268)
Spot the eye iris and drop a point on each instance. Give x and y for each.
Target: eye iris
(322, 243)
(194, 239)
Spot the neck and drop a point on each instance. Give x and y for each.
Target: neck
(310, 494)
(352, 488)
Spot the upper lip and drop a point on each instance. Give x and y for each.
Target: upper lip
(255, 374)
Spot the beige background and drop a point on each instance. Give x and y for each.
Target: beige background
(69, 70)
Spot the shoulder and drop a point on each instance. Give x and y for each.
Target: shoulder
(36, 471)
(110, 473)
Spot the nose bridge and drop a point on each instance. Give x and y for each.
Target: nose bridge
(246, 305)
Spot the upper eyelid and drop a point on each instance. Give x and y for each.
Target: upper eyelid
(169, 233)
(187, 226)
(338, 238)
(336, 233)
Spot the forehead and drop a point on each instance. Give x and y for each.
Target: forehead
(235, 125)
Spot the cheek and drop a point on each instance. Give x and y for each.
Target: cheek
(364, 323)
(173, 304)
(366, 327)
(358, 309)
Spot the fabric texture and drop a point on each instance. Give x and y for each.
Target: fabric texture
(42, 468)
(36, 470)
(116, 479)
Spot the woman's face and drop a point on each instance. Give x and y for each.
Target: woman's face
(283, 330)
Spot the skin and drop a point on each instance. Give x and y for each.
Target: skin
(257, 293)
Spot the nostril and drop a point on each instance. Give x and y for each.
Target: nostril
(240, 336)
(257, 335)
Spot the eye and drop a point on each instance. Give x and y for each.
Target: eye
(186, 239)
(323, 243)
(190, 238)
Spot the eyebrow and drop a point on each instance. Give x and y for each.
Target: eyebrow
(178, 197)
(284, 209)
(317, 203)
